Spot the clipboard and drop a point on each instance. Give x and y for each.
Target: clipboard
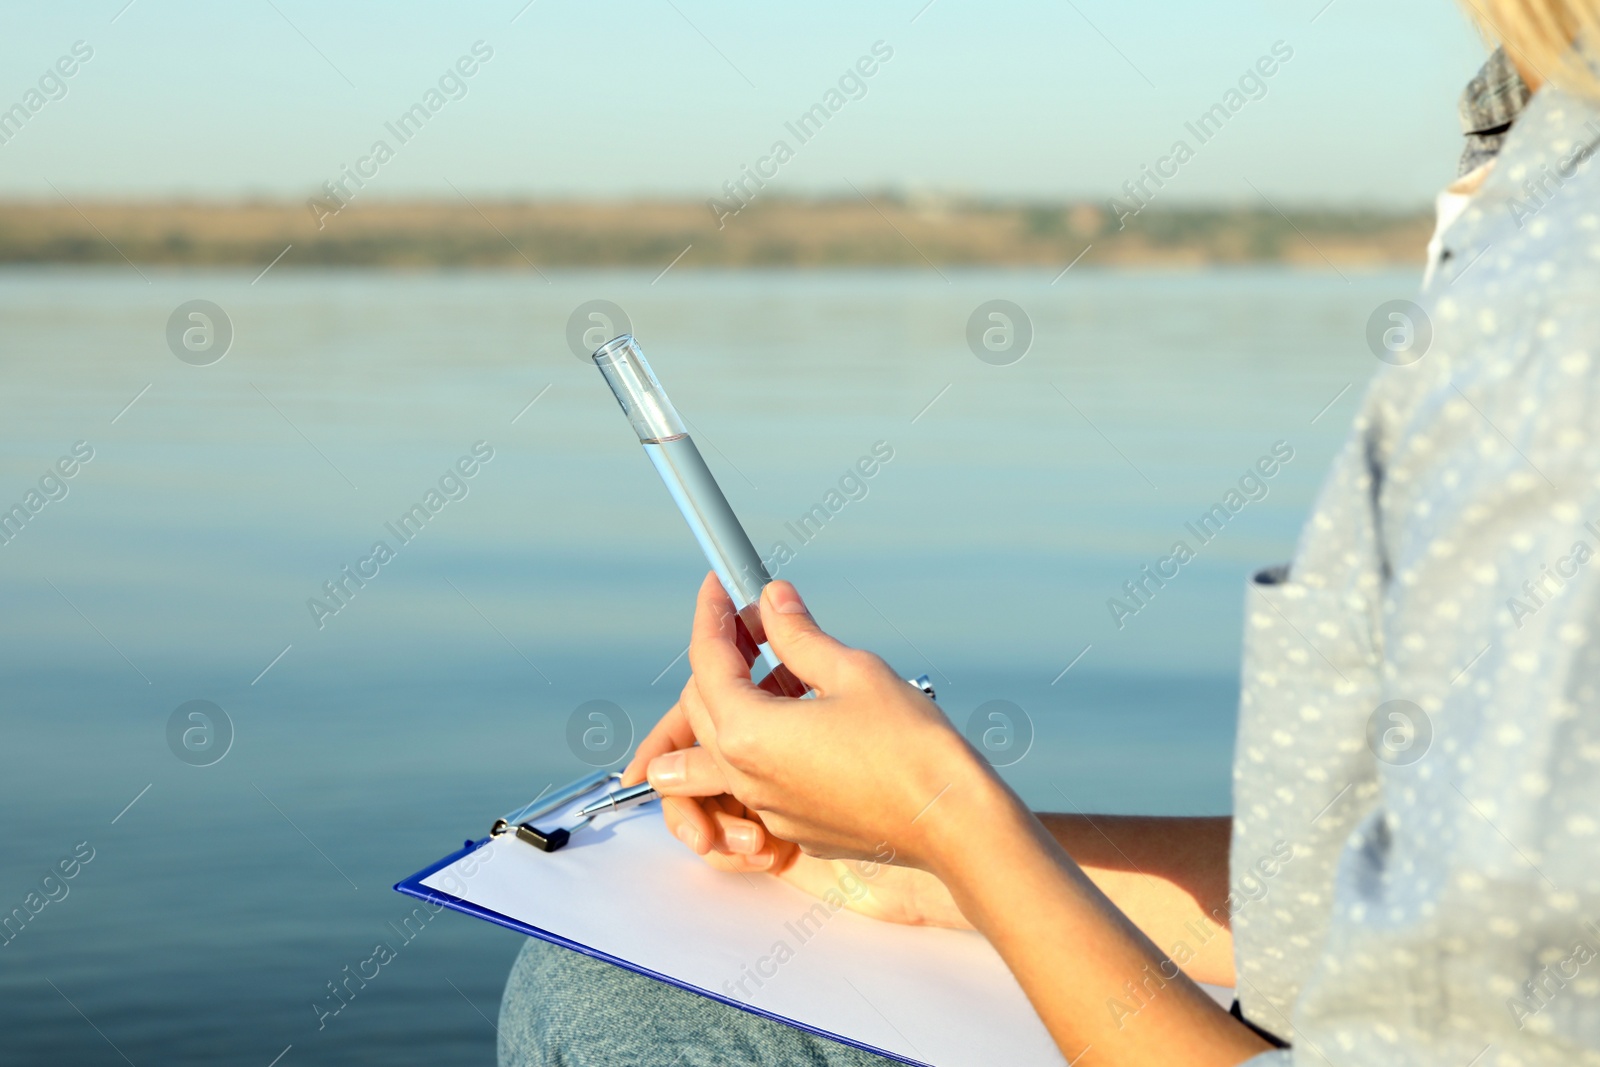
(625, 892)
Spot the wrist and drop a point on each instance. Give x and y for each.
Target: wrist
(975, 807)
(993, 852)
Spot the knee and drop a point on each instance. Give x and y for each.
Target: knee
(533, 997)
(550, 995)
(545, 968)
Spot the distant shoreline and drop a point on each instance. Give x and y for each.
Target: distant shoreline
(682, 235)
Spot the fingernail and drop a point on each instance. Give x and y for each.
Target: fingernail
(683, 832)
(763, 861)
(786, 599)
(667, 770)
(742, 838)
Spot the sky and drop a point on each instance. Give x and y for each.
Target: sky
(618, 98)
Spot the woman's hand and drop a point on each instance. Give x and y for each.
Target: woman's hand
(869, 766)
(730, 837)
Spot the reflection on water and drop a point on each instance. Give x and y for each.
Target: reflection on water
(292, 533)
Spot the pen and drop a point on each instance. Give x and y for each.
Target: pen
(616, 801)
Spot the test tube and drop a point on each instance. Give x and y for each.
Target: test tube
(667, 442)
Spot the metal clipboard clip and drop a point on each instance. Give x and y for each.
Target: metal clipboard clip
(521, 820)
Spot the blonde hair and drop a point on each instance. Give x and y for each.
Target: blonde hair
(1538, 36)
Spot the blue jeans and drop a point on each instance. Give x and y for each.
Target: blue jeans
(563, 1009)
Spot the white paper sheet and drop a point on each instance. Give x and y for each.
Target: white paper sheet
(625, 888)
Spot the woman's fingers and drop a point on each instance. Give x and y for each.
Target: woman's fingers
(687, 772)
(714, 828)
(681, 727)
(774, 681)
(738, 864)
(719, 667)
(745, 845)
(748, 646)
(689, 822)
(737, 834)
(671, 732)
(814, 656)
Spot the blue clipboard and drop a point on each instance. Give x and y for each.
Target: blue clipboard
(413, 887)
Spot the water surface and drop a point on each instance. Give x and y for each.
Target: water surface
(181, 563)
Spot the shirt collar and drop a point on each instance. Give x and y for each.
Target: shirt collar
(1489, 105)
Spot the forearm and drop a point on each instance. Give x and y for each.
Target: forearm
(1106, 991)
(1169, 876)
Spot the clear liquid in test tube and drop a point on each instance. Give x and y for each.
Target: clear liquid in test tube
(667, 442)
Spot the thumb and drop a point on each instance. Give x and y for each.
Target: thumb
(794, 635)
